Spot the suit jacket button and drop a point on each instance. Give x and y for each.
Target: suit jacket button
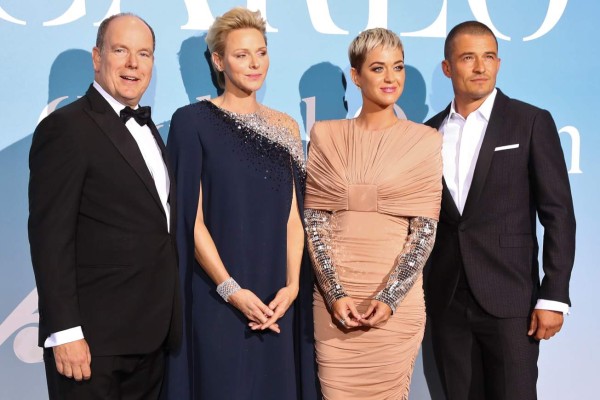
(461, 227)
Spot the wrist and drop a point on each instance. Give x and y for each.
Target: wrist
(332, 299)
(227, 288)
(387, 299)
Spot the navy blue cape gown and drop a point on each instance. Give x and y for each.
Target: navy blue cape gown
(248, 166)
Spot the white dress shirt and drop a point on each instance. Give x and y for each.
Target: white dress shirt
(152, 156)
(462, 139)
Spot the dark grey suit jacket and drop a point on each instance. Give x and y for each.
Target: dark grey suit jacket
(495, 237)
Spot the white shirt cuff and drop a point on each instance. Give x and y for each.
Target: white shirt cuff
(552, 305)
(62, 337)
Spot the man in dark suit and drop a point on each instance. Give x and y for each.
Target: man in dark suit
(503, 166)
(101, 230)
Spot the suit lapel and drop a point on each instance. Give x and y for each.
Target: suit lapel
(158, 139)
(448, 204)
(486, 153)
(110, 123)
(172, 186)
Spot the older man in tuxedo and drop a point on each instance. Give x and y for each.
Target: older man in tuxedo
(503, 167)
(101, 203)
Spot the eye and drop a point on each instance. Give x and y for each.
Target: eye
(146, 54)
(241, 55)
(120, 51)
(262, 53)
(399, 67)
(377, 69)
(468, 58)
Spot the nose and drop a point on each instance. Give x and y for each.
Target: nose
(132, 60)
(479, 65)
(254, 62)
(389, 76)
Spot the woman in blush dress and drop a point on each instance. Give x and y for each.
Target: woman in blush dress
(372, 202)
(240, 175)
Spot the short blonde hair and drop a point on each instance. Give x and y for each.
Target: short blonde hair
(236, 18)
(369, 40)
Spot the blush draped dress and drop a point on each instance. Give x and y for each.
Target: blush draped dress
(374, 190)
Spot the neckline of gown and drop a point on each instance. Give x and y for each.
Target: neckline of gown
(233, 113)
(383, 130)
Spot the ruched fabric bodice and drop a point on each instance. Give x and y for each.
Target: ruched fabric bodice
(388, 171)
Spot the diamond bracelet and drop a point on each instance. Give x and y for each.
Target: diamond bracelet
(228, 287)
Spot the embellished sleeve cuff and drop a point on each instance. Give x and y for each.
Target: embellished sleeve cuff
(318, 236)
(410, 262)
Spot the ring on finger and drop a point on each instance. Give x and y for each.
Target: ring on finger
(342, 322)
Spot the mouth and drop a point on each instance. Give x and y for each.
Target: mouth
(254, 76)
(129, 78)
(388, 89)
(479, 79)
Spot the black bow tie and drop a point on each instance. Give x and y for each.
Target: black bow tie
(141, 115)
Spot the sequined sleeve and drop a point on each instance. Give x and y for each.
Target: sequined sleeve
(318, 237)
(410, 261)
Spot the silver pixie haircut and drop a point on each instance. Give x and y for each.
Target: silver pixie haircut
(369, 40)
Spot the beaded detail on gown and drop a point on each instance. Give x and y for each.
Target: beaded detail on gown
(373, 189)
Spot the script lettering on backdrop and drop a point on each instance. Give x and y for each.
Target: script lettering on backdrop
(50, 107)
(20, 321)
(200, 17)
(75, 11)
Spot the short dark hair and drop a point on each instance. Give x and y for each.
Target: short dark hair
(466, 28)
(105, 23)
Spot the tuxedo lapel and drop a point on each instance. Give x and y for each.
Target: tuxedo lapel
(486, 153)
(158, 139)
(172, 187)
(110, 123)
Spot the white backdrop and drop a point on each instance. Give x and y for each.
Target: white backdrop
(549, 58)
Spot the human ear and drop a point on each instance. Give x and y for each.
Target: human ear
(217, 61)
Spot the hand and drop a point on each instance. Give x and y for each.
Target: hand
(73, 359)
(274, 327)
(345, 310)
(545, 323)
(251, 306)
(279, 305)
(377, 314)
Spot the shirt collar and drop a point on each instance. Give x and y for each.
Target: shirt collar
(484, 110)
(117, 106)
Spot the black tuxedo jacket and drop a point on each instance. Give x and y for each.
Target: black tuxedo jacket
(494, 240)
(101, 252)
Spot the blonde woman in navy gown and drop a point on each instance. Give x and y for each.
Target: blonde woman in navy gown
(240, 172)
